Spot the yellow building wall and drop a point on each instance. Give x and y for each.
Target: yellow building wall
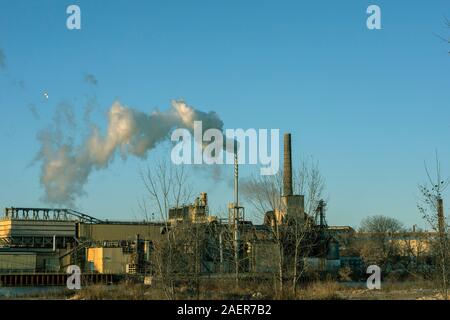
(413, 246)
(5, 227)
(108, 260)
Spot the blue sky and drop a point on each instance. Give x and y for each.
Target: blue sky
(370, 106)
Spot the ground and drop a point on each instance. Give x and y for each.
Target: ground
(217, 290)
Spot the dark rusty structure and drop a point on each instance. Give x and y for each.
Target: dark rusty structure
(287, 167)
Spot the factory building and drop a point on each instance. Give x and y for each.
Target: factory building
(17, 262)
(49, 240)
(196, 212)
(124, 232)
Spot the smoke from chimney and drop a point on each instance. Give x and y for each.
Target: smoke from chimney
(66, 167)
(287, 171)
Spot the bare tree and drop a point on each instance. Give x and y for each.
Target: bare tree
(447, 22)
(415, 245)
(298, 232)
(191, 241)
(308, 181)
(432, 210)
(264, 194)
(167, 186)
(378, 243)
(445, 38)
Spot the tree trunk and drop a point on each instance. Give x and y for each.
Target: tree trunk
(442, 246)
(280, 270)
(295, 276)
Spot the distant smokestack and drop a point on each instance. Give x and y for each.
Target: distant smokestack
(287, 171)
(236, 178)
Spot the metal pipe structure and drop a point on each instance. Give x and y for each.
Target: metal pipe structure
(221, 251)
(236, 213)
(287, 174)
(236, 179)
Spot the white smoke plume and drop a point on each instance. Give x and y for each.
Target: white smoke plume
(66, 167)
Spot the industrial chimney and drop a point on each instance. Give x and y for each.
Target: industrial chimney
(287, 171)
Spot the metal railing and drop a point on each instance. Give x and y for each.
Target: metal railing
(49, 214)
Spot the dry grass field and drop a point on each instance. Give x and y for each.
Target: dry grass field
(226, 290)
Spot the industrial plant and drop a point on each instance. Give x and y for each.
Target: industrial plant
(38, 244)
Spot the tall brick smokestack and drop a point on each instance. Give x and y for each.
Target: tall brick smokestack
(287, 171)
